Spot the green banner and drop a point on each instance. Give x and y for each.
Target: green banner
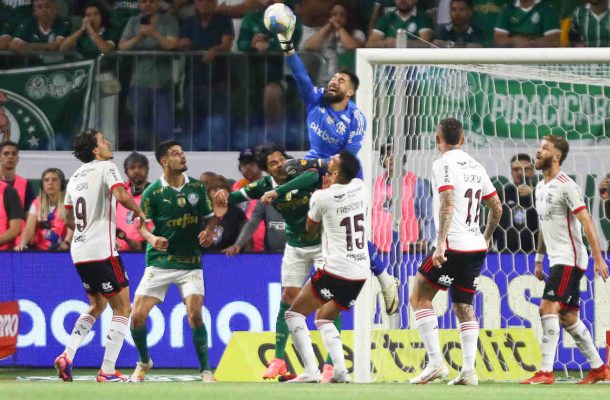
(42, 108)
(575, 105)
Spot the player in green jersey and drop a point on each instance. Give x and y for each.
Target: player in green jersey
(291, 199)
(178, 206)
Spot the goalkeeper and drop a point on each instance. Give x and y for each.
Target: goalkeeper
(334, 123)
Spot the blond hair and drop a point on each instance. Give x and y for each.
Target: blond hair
(44, 202)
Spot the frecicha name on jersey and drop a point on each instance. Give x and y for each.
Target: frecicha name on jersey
(557, 203)
(458, 171)
(341, 209)
(89, 194)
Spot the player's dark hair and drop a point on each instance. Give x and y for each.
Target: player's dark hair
(468, 2)
(560, 144)
(349, 166)
(135, 158)
(352, 77)
(83, 145)
(452, 130)
(521, 157)
(163, 148)
(266, 150)
(8, 143)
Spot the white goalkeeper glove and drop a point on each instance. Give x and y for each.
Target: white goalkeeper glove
(286, 37)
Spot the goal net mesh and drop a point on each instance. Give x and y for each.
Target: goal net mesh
(506, 110)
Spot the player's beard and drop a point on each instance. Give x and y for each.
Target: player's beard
(333, 98)
(543, 163)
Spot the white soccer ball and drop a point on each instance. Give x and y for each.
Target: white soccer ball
(278, 18)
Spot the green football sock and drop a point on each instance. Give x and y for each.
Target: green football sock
(281, 331)
(338, 324)
(139, 338)
(200, 340)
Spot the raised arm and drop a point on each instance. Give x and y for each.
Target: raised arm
(304, 83)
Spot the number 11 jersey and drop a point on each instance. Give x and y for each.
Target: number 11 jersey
(458, 171)
(89, 194)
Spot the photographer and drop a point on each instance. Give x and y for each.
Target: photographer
(519, 224)
(46, 227)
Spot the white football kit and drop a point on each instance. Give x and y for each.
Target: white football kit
(89, 194)
(342, 210)
(557, 203)
(470, 183)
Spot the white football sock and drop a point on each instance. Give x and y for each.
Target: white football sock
(114, 343)
(585, 343)
(81, 329)
(427, 325)
(385, 280)
(550, 337)
(469, 335)
(302, 340)
(332, 340)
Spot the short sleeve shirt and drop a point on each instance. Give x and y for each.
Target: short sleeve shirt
(472, 35)
(592, 29)
(205, 37)
(537, 21)
(87, 47)
(30, 31)
(416, 23)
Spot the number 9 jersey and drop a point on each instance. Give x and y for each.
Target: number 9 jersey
(342, 210)
(458, 171)
(89, 194)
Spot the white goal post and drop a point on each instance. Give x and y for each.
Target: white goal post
(515, 62)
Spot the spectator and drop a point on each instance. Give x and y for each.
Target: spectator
(418, 26)
(207, 177)
(379, 8)
(230, 218)
(46, 228)
(9, 159)
(313, 14)
(212, 32)
(94, 36)
(255, 38)
(44, 32)
(122, 12)
(251, 172)
(236, 9)
(484, 16)
(11, 216)
(591, 25)
(275, 230)
(128, 238)
(336, 37)
(519, 222)
(417, 222)
(150, 94)
(12, 15)
(459, 32)
(527, 23)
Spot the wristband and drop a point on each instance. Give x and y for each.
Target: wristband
(539, 257)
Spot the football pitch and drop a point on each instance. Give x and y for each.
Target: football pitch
(13, 388)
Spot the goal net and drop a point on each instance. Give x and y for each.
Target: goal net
(507, 100)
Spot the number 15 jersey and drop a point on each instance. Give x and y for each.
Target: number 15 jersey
(458, 171)
(89, 194)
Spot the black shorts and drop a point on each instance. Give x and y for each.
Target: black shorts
(460, 273)
(342, 291)
(107, 276)
(563, 285)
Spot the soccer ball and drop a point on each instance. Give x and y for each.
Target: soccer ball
(278, 18)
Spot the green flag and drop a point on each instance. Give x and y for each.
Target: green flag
(42, 108)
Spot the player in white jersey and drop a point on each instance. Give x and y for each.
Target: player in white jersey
(339, 209)
(460, 184)
(563, 213)
(91, 197)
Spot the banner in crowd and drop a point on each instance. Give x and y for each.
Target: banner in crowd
(42, 108)
(9, 328)
(243, 294)
(396, 355)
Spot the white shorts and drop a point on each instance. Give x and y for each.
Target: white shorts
(156, 281)
(297, 262)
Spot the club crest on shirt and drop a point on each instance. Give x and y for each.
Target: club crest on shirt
(181, 201)
(329, 119)
(288, 196)
(193, 198)
(341, 127)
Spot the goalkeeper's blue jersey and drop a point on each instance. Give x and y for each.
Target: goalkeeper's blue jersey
(330, 131)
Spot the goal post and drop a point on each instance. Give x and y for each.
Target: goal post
(507, 100)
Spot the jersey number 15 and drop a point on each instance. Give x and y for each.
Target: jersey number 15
(358, 227)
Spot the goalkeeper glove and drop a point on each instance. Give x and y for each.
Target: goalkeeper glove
(286, 37)
(294, 166)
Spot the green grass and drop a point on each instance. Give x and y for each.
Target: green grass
(17, 390)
